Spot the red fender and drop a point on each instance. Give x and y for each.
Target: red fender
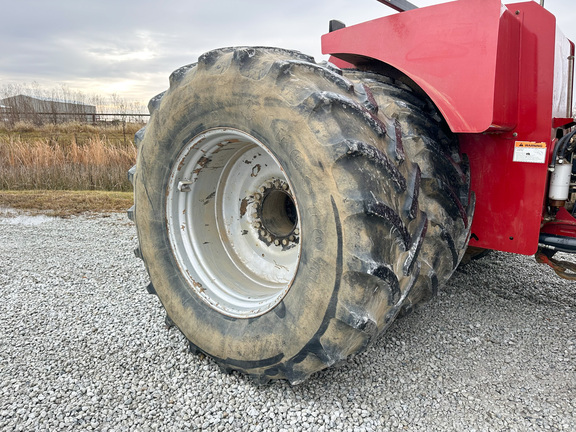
(498, 74)
(463, 54)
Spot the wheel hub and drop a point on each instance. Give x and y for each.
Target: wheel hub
(275, 216)
(233, 222)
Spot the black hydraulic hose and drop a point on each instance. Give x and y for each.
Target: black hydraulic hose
(557, 243)
(571, 145)
(561, 147)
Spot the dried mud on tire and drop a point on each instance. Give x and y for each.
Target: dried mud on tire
(361, 202)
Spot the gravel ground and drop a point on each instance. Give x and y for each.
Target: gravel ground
(84, 347)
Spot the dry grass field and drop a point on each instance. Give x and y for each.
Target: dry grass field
(66, 157)
(64, 203)
(66, 168)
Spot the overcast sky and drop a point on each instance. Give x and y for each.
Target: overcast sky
(130, 47)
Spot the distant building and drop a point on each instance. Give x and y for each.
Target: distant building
(44, 110)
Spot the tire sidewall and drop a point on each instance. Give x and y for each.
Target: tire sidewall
(286, 329)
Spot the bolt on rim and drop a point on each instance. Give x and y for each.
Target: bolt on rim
(233, 222)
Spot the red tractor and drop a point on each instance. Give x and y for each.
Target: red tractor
(289, 211)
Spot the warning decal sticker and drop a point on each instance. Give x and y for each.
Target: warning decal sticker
(527, 151)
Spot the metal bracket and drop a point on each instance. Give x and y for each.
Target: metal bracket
(399, 5)
(184, 185)
(336, 25)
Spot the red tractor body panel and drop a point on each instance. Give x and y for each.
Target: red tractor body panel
(454, 51)
(499, 75)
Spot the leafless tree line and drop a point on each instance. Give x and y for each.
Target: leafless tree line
(61, 104)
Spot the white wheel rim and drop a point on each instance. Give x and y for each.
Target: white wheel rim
(233, 222)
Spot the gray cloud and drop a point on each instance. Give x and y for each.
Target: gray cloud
(132, 46)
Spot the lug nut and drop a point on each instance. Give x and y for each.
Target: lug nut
(257, 225)
(296, 231)
(284, 242)
(257, 197)
(292, 238)
(262, 233)
(277, 242)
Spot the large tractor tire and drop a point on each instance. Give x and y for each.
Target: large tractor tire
(445, 179)
(278, 215)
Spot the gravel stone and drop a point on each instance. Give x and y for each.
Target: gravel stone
(84, 347)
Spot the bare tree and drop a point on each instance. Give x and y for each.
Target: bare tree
(61, 104)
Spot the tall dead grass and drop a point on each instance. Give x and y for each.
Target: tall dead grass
(117, 127)
(65, 158)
